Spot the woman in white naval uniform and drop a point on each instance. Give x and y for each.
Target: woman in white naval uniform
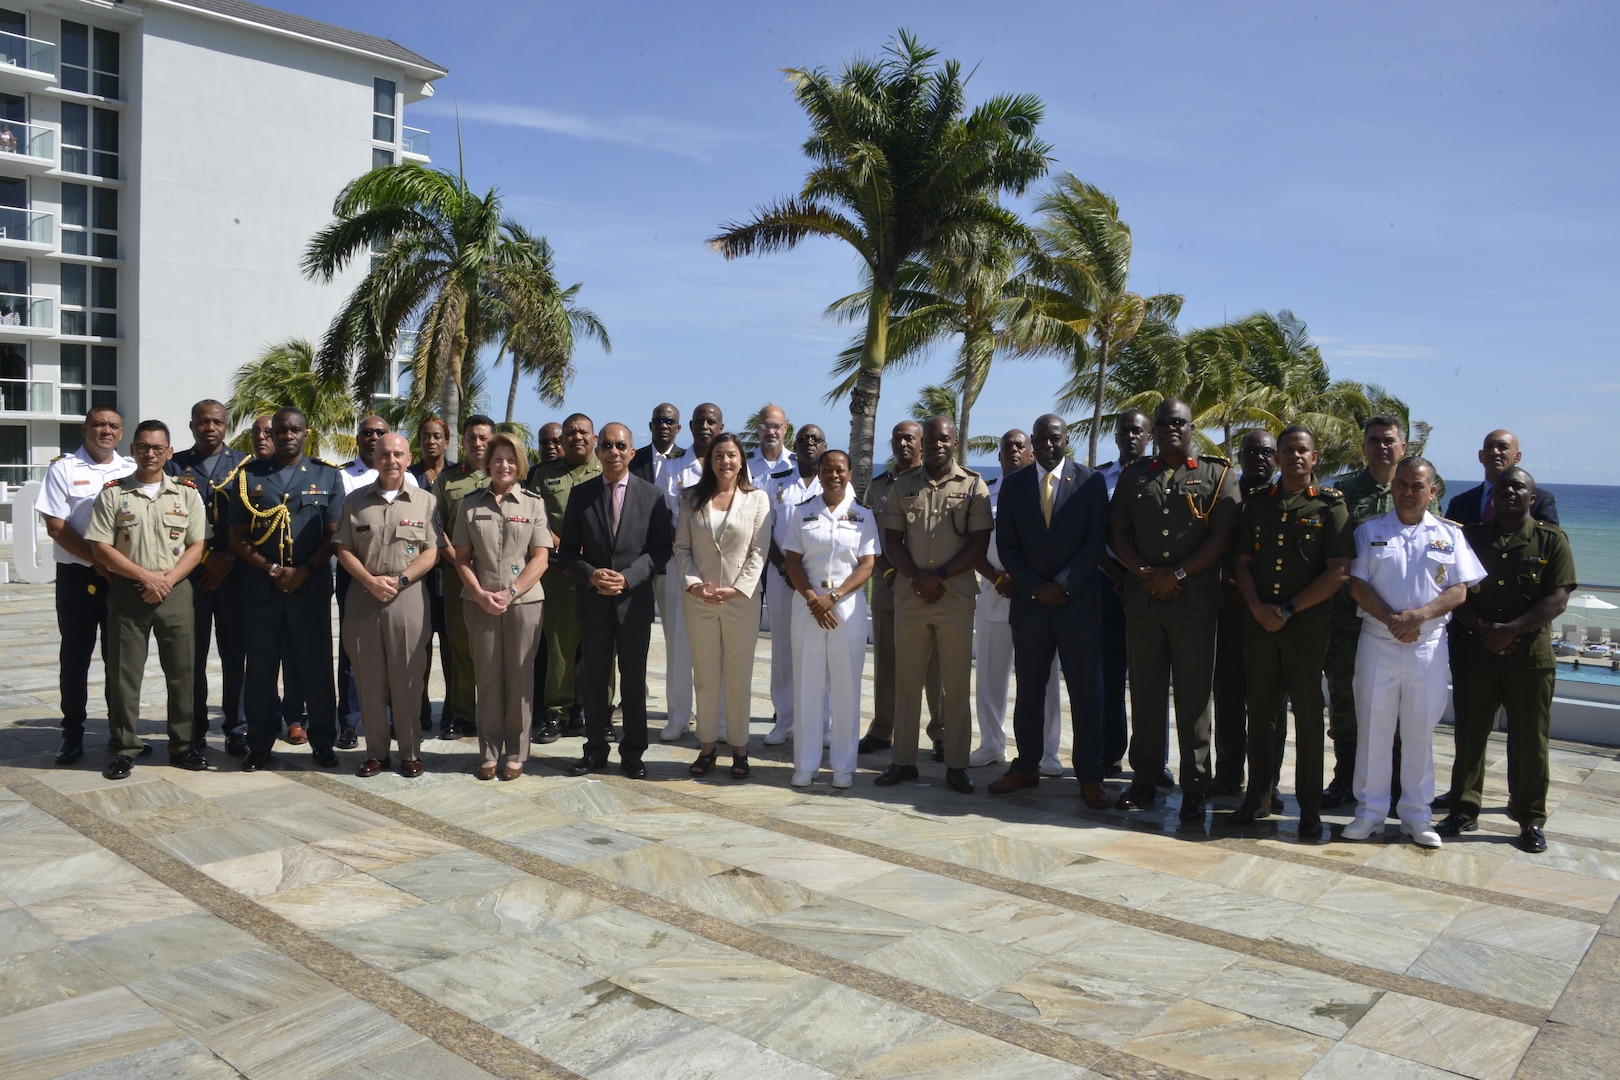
(831, 546)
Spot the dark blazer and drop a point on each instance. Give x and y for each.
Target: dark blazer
(641, 549)
(644, 463)
(1069, 550)
(1469, 506)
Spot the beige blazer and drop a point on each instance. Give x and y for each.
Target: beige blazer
(738, 559)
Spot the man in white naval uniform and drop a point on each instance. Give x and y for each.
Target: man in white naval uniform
(993, 642)
(1410, 571)
(769, 466)
(675, 474)
(786, 493)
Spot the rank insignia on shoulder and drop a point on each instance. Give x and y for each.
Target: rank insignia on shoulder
(110, 483)
(785, 472)
(1331, 492)
(186, 481)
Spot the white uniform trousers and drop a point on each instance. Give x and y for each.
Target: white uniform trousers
(992, 676)
(783, 604)
(1398, 687)
(677, 651)
(827, 682)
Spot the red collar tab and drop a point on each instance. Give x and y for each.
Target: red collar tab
(1192, 462)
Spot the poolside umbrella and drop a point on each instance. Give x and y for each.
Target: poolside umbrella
(1586, 606)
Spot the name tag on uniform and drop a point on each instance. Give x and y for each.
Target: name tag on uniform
(362, 528)
(1380, 543)
(483, 517)
(78, 483)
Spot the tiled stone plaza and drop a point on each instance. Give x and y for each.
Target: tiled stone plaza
(305, 923)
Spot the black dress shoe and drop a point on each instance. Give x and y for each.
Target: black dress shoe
(1456, 825)
(939, 749)
(587, 764)
(200, 744)
(450, 729)
(548, 730)
(1116, 769)
(191, 761)
(1443, 799)
(1310, 826)
(325, 758)
(256, 760)
(894, 774)
(634, 769)
(1336, 794)
(1166, 778)
(1222, 786)
(347, 739)
(145, 751)
(72, 748)
(1192, 808)
(1248, 813)
(236, 744)
(576, 720)
(959, 780)
(118, 767)
(1136, 798)
(1277, 804)
(871, 744)
(1532, 840)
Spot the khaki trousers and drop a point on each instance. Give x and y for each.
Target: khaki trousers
(388, 652)
(131, 625)
(723, 638)
(945, 630)
(1160, 646)
(503, 651)
(882, 726)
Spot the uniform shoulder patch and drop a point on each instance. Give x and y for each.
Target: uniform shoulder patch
(323, 461)
(1139, 463)
(807, 502)
(1332, 494)
(1214, 459)
(971, 473)
(57, 458)
(680, 452)
(186, 481)
(108, 484)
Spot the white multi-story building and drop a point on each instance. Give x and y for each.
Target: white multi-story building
(163, 164)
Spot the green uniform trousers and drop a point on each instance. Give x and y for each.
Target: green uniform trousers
(1160, 646)
(561, 644)
(1274, 664)
(461, 683)
(1476, 695)
(131, 625)
(1340, 667)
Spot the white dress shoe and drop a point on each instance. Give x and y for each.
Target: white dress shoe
(1051, 766)
(982, 757)
(777, 736)
(843, 780)
(1362, 828)
(802, 778)
(671, 732)
(1422, 835)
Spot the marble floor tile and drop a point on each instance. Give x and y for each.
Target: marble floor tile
(216, 992)
(951, 963)
(178, 1059)
(1009, 857)
(340, 902)
(1032, 926)
(712, 1054)
(19, 816)
(377, 848)
(51, 879)
(1271, 877)
(1220, 908)
(1210, 1041)
(411, 938)
(1168, 963)
(1354, 939)
(1163, 854)
(1486, 969)
(463, 796)
(202, 846)
(285, 799)
(271, 872)
(713, 983)
(1523, 931)
(52, 841)
(583, 797)
(1416, 909)
(919, 833)
(1348, 1062)
(22, 933)
(918, 895)
(1113, 883)
(735, 843)
(180, 817)
(839, 927)
(1083, 837)
(144, 794)
(659, 822)
(816, 866)
(1556, 886)
(842, 815)
(227, 781)
(951, 1051)
(1575, 858)
(42, 976)
(496, 980)
(509, 818)
(522, 906)
(149, 948)
(325, 822)
(611, 941)
(112, 907)
(575, 843)
(654, 868)
(454, 873)
(738, 896)
(1105, 1006)
(1295, 997)
(421, 1061)
(309, 1038)
(1482, 1047)
(1465, 863)
(760, 797)
(596, 1027)
(867, 1027)
(78, 1032)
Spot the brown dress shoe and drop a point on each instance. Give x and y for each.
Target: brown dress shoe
(372, 767)
(1094, 795)
(487, 770)
(1013, 781)
(411, 769)
(296, 735)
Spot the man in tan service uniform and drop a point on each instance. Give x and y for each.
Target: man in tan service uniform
(936, 523)
(453, 485)
(1172, 519)
(148, 529)
(388, 541)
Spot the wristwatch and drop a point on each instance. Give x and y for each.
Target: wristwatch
(1286, 611)
(835, 596)
(404, 582)
(511, 591)
(1181, 575)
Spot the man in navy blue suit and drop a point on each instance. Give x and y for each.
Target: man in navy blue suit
(1051, 532)
(1499, 454)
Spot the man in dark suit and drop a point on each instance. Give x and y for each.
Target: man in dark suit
(1051, 532)
(1499, 454)
(615, 537)
(664, 426)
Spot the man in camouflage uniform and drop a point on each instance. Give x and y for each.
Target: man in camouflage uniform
(453, 485)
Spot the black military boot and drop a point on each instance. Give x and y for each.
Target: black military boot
(1337, 793)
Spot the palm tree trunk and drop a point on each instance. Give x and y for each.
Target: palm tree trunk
(1097, 407)
(964, 411)
(450, 395)
(863, 399)
(511, 394)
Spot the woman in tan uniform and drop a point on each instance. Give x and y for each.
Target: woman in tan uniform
(499, 548)
(720, 539)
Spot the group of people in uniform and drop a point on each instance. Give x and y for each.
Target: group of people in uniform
(1226, 592)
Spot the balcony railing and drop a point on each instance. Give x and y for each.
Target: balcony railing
(15, 476)
(35, 312)
(27, 395)
(27, 140)
(26, 225)
(29, 53)
(413, 141)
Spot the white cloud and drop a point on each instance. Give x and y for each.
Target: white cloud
(696, 141)
(1337, 348)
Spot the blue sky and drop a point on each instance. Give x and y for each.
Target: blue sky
(1429, 186)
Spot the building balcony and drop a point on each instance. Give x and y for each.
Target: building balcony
(35, 396)
(405, 345)
(26, 316)
(27, 147)
(26, 63)
(26, 230)
(413, 143)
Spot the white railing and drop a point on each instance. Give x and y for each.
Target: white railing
(27, 140)
(15, 476)
(28, 53)
(27, 395)
(26, 225)
(413, 141)
(36, 312)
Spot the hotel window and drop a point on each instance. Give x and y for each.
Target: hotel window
(90, 221)
(89, 60)
(89, 301)
(381, 158)
(14, 377)
(89, 377)
(13, 50)
(14, 299)
(13, 452)
(382, 110)
(13, 209)
(89, 141)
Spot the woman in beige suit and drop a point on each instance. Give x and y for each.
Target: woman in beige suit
(720, 541)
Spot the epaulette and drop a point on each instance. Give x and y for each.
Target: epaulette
(1139, 462)
(323, 461)
(680, 452)
(992, 482)
(58, 457)
(971, 473)
(108, 484)
(1448, 521)
(346, 464)
(1332, 494)
(186, 481)
(785, 472)
(810, 500)
(1215, 459)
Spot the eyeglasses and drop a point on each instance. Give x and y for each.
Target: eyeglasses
(664, 421)
(373, 432)
(149, 448)
(1173, 422)
(620, 446)
(261, 431)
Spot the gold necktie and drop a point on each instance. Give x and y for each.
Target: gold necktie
(1047, 489)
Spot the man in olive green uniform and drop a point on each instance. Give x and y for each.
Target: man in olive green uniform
(1501, 657)
(1294, 553)
(905, 443)
(554, 481)
(149, 529)
(936, 526)
(453, 485)
(1171, 521)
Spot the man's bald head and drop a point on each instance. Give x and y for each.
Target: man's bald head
(1500, 451)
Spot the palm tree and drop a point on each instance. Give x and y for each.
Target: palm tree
(286, 375)
(1084, 308)
(900, 171)
(937, 400)
(748, 434)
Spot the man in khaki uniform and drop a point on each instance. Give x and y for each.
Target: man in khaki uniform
(1172, 519)
(905, 443)
(936, 523)
(148, 529)
(388, 541)
(554, 481)
(453, 485)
